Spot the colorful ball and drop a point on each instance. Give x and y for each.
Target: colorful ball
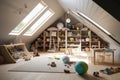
(66, 59)
(69, 25)
(81, 67)
(60, 25)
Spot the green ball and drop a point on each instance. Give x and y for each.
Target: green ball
(81, 67)
(66, 59)
(69, 25)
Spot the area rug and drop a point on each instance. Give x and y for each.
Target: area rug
(42, 64)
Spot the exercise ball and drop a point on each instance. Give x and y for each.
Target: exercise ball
(66, 59)
(81, 67)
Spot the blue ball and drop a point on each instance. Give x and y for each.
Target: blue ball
(66, 59)
(81, 67)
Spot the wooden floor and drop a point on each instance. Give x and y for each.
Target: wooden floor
(6, 75)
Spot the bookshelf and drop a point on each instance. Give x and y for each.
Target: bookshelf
(71, 38)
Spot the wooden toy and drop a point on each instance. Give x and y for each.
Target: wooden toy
(110, 70)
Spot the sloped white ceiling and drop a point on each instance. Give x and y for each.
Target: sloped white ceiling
(96, 13)
(11, 17)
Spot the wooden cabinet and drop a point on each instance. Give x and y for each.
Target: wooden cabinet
(38, 43)
(85, 40)
(97, 42)
(51, 39)
(72, 38)
(61, 39)
(47, 40)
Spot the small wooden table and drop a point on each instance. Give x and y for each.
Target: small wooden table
(104, 50)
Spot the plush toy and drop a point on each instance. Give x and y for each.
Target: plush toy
(96, 74)
(67, 68)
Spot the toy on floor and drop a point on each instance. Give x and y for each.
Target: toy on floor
(54, 57)
(57, 58)
(26, 58)
(67, 68)
(110, 70)
(52, 64)
(96, 74)
(36, 52)
(50, 57)
(66, 59)
(81, 67)
(72, 62)
(66, 71)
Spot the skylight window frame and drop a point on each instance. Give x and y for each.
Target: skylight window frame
(78, 13)
(95, 23)
(13, 32)
(27, 33)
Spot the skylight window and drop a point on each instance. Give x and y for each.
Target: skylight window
(83, 15)
(44, 18)
(28, 19)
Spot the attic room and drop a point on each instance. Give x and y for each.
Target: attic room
(59, 40)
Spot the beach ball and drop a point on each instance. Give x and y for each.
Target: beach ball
(66, 59)
(81, 67)
(60, 25)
